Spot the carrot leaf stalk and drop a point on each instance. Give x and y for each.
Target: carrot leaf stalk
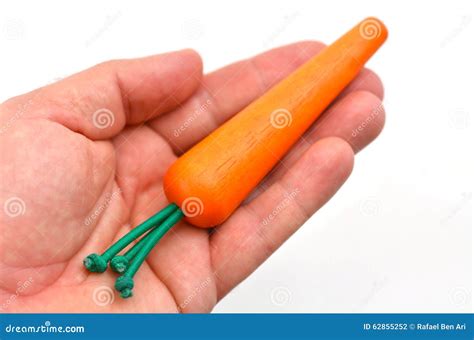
(119, 263)
(98, 263)
(124, 284)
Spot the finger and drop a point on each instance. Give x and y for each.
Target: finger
(256, 230)
(368, 81)
(100, 101)
(228, 90)
(358, 118)
(182, 263)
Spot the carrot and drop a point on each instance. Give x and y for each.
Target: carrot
(211, 180)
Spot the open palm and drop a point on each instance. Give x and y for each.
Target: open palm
(82, 161)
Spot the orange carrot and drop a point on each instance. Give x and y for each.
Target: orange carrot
(211, 180)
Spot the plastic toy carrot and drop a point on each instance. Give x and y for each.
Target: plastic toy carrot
(211, 180)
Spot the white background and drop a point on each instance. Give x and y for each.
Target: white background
(397, 237)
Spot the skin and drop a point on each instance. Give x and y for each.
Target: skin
(84, 186)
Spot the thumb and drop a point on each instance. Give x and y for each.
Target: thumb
(101, 101)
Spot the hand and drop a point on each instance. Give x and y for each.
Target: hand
(82, 161)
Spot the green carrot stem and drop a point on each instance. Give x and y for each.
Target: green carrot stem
(98, 263)
(125, 283)
(120, 263)
(139, 230)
